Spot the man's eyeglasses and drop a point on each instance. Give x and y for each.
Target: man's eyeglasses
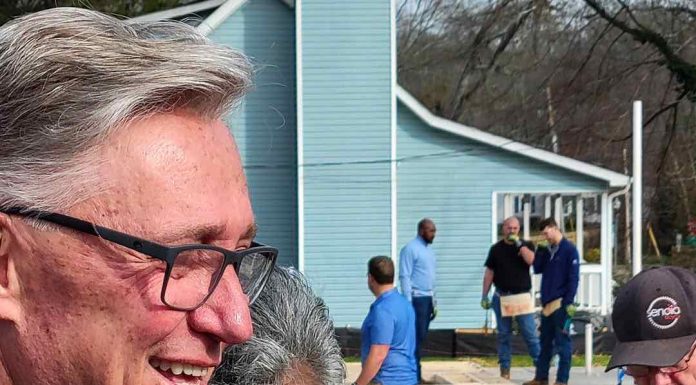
(638, 371)
(192, 272)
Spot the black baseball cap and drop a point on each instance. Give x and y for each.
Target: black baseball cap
(654, 318)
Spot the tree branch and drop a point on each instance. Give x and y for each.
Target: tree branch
(683, 70)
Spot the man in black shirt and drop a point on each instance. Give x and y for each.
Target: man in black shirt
(507, 266)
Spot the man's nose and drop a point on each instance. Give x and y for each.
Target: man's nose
(225, 315)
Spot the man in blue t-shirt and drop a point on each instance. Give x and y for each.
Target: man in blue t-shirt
(559, 266)
(388, 345)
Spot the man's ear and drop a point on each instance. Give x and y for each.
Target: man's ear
(9, 280)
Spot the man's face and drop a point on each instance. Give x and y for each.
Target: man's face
(655, 376)
(552, 234)
(89, 312)
(511, 226)
(686, 377)
(427, 232)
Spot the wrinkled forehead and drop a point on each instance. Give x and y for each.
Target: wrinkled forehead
(172, 169)
(512, 222)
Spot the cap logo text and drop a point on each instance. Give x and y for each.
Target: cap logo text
(663, 312)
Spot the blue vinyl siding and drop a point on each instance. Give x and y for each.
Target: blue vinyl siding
(451, 180)
(265, 124)
(347, 115)
(346, 95)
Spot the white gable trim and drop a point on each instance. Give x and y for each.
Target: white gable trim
(178, 11)
(219, 16)
(614, 179)
(227, 9)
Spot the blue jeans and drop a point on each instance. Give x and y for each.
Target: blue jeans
(552, 336)
(527, 328)
(423, 307)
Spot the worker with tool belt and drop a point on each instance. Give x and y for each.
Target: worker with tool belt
(507, 266)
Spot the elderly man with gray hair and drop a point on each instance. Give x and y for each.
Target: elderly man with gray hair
(293, 343)
(127, 253)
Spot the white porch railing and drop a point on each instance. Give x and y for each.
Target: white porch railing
(589, 296)
(590, 290)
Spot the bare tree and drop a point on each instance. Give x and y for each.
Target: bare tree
(535, 70)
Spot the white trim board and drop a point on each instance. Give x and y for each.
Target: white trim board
(178, 11)
(393, 140)
(494, 217)
(230, 7)
(219, 16)
(614, 179)
(299, 119)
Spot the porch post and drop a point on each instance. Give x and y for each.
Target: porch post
(579, 226)
(525, 219)
(507, 206)
(558, 212)
(609, 249)
(547, 207)
(605, 254)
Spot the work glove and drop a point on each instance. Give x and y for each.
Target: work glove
(514, 238)
(570, 310)
(485, 303)
(434, 313)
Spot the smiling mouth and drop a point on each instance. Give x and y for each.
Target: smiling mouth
(179, 372)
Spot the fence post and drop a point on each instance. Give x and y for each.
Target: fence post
(588, 348)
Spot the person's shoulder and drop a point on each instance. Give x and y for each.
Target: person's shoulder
(411, 244)
(378, 306)
(402, 304)
(387, 307)
(497, 245)
(395, 299)
(568, 244)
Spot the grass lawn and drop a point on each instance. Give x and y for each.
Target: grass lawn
(517, 360)
(523, 361)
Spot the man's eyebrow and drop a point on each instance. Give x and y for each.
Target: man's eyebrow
(202, 233)
(250, 233)
(206, 233)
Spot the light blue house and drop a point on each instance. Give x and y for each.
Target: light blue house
(342, 162)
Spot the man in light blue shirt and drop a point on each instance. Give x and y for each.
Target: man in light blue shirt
(388, 344)
(417, 276)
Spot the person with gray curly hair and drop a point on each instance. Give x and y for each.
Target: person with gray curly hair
(293, 342)
(126, 232)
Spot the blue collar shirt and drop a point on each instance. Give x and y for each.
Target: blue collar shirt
(417, 269)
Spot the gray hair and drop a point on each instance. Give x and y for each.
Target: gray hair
(512, 218)
(70, 77)
(292, 333)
